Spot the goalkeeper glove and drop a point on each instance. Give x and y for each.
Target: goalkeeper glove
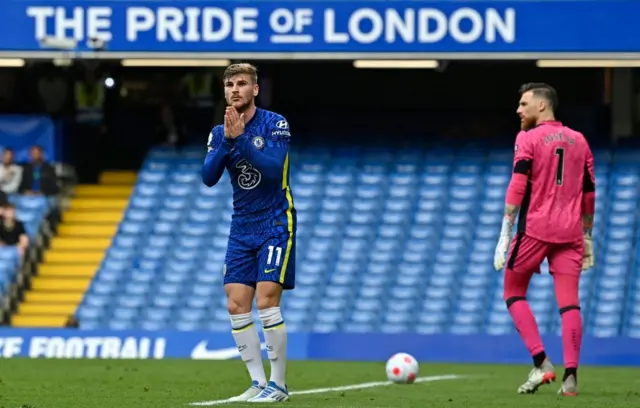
(588, 260)
(500, 255)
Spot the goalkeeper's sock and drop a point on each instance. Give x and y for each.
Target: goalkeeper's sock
(570, 371)
(246, 337)
(275, 335)
(567, 288)
(527, 327)
(571, 335)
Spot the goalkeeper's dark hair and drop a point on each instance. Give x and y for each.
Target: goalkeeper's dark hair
(543, 90)
(242, 68)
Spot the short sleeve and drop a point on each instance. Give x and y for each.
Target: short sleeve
(522, 148)
(523, 154)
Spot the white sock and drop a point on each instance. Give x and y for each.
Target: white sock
(246, 337)
(275, 335)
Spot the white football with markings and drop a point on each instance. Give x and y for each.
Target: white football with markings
(402, 368)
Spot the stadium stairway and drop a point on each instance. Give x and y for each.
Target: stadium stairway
(76, 252)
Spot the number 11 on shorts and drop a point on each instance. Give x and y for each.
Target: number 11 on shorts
(278, 252)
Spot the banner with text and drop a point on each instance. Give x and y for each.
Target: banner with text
(21, 132)
(308, 26)
(104, 344)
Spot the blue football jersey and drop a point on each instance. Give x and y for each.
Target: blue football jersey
(258, 165)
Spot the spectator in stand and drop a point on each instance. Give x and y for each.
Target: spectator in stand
(38, 176)
(12, 231)
(10, 173)
(4, 202)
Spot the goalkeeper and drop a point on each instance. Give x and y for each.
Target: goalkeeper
(553, 189)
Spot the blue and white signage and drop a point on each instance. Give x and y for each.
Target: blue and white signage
(299, 26)
(108, 344)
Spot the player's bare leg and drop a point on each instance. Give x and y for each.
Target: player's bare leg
(567, 295)
(245, 334)
(515, 290)
(275, 335)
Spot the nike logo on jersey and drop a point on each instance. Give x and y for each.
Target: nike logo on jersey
(269, 270)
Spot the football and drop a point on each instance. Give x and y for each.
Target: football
(402, 368)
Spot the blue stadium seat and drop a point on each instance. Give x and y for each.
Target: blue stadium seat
(388, 240)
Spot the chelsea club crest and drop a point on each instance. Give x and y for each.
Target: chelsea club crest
(258, 142)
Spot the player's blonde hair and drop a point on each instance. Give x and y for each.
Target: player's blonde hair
(242, 68)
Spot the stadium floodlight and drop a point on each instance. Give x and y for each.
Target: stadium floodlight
(396, 64)
(148, 62)
(11, 62)
(619, 63)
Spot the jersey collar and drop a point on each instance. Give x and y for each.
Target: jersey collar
(549, 123)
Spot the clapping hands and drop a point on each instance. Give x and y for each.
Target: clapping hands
(233, 123)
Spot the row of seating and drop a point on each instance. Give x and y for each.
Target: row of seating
(390, 241)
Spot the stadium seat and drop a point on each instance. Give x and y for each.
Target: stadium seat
(389, 241)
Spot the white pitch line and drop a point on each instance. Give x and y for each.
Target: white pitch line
(342, 388)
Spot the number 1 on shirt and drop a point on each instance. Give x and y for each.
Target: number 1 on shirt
(560, 168)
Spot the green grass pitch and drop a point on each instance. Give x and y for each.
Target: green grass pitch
(177, 383)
